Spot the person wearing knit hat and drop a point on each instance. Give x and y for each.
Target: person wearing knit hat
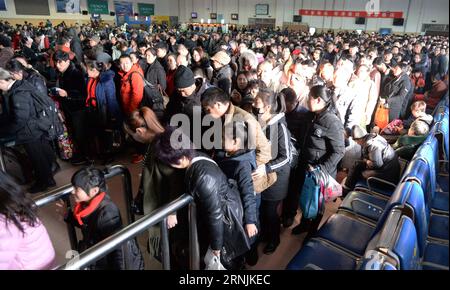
(104, 58)
(184, 79)
(379, 159)
(187, 95)
(358, 132)
(222, 71)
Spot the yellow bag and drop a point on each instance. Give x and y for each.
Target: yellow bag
(261, 184)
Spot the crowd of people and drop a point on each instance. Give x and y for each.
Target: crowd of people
(236, 119)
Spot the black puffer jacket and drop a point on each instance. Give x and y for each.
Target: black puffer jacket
(324, 142)
(220, 209)
(19, 118)
(37, 80)
(104, 221)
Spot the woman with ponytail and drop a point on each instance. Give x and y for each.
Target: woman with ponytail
(270, 109)
(104, 110)
(324, 145)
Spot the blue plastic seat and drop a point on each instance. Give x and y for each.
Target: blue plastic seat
(436, 257)
(318, 255)
(364, 204)
(397, 247)
(372, 207)
(431, 229)
(347, 232)
(442, 133)
(422, 169)
(375, 187)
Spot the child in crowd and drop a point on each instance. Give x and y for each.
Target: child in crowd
(238, 163)
(98, 217)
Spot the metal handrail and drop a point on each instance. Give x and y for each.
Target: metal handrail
(64, 192)
(109, 244)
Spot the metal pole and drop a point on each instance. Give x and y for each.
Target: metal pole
(2, 161)
(109, 244)
(127, 188)
(194, 251)
(53, 195)
(71, 229)
(165, 244)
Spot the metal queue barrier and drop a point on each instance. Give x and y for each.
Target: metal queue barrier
(64, 192)
(133, 229)
(159, 215)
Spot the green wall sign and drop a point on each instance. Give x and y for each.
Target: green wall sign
(146, 9)
(98, 6)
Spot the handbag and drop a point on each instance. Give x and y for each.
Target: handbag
(310, 196)
(382, 116)
(262, 183)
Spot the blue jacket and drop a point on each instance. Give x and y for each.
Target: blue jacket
(239, 167)
(107, 104)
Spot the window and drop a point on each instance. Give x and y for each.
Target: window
(262, 9)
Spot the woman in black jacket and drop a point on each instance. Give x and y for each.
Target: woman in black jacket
(218, 200)
(323, 146)
(270, 111)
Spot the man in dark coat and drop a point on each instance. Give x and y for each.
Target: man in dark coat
(20, 120)
(399, 93)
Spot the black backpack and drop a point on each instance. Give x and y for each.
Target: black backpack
(153, 96)
(47, 116)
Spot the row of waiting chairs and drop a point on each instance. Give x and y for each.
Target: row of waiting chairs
(405, 228)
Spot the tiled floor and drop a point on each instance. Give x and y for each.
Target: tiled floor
(56, 227)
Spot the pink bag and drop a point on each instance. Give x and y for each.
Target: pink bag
(393, 128)
(329, 187)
